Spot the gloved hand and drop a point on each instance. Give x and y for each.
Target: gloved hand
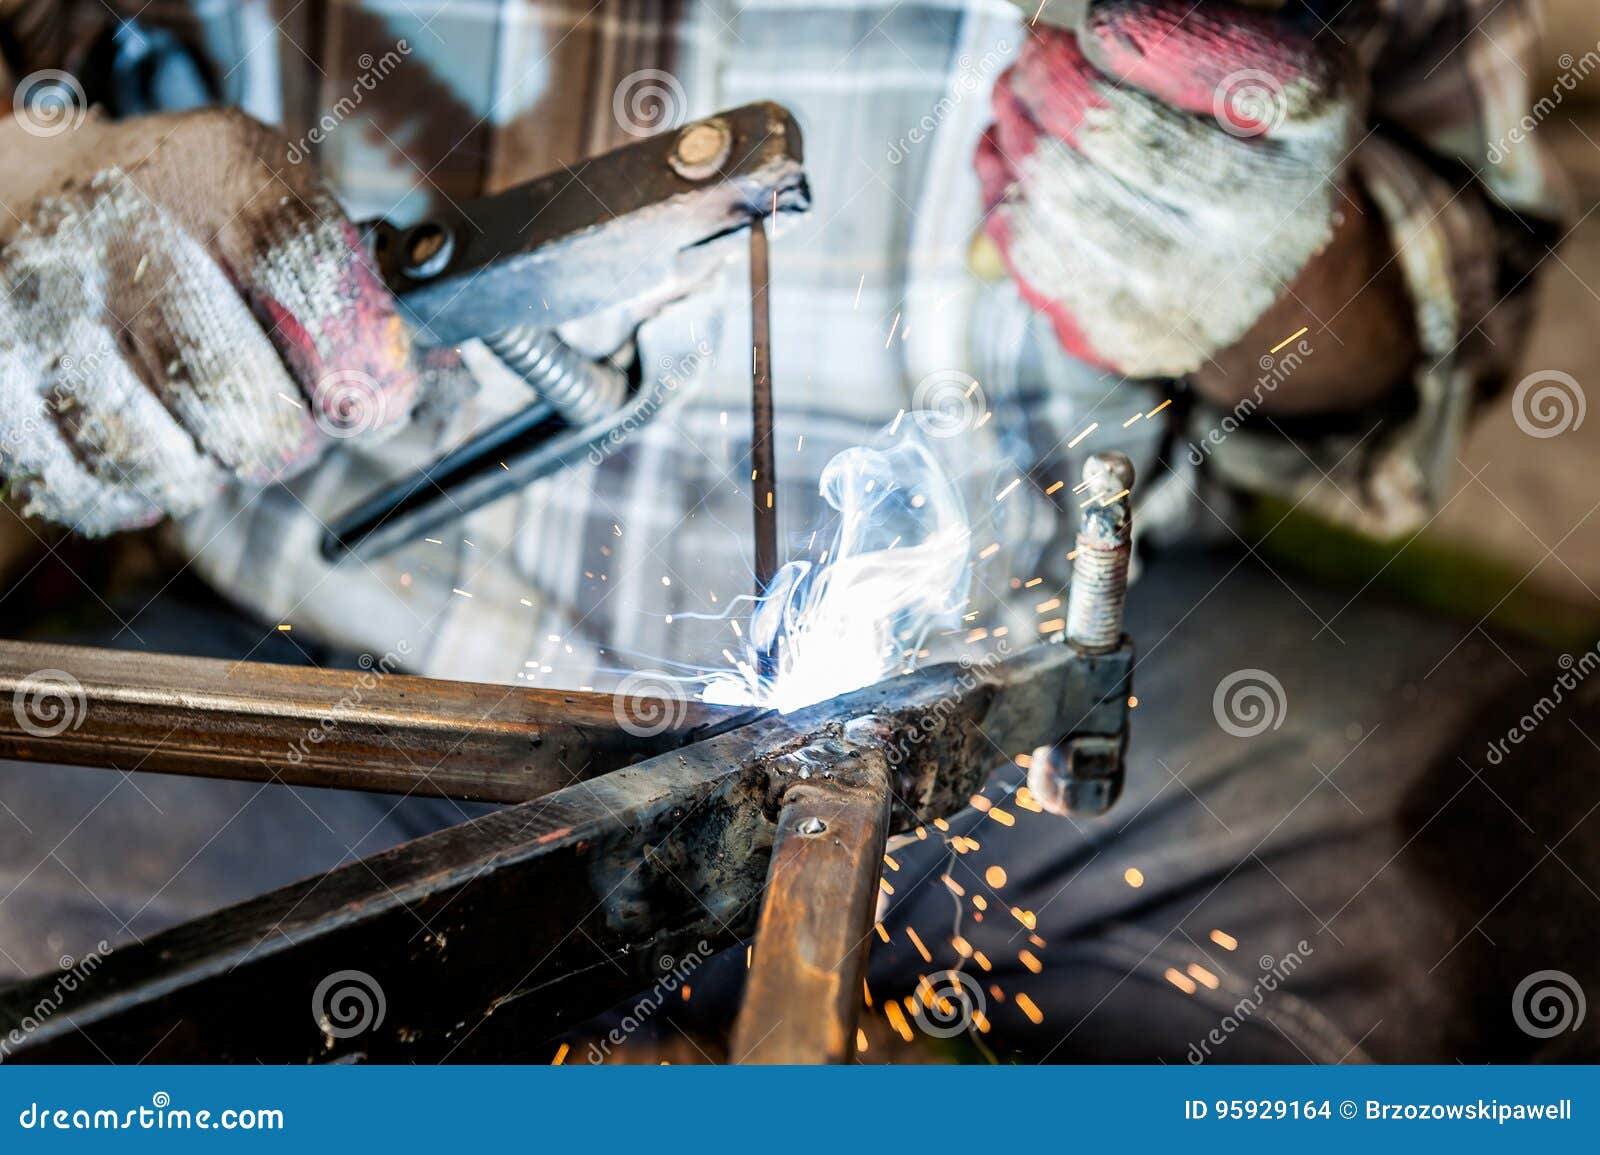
(1155, 189)
(178, 305)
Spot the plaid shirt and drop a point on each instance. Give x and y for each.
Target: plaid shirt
(611, 567)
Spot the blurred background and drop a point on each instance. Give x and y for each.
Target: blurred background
(1574, 21)
(1521, 504)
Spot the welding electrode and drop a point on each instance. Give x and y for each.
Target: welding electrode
(763, 464)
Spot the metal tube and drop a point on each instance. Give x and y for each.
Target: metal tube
(803, 996)
(364, 729)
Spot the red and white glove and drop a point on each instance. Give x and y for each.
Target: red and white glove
(179, 305)
(1155, 189)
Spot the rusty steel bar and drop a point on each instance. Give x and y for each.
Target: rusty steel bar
(763, 451)
(802, 999)
(478, 943)
(763, 456)
(363, 729)
(491, 938)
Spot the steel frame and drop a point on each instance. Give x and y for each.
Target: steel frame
(491, 938)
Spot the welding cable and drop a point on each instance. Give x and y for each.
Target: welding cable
(582, 391)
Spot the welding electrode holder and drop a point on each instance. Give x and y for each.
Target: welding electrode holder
(1084, 774)
(641, 222)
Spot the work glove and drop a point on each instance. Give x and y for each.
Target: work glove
(179, 306)
(1155, 188)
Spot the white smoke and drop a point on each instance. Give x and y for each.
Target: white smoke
(897, 568)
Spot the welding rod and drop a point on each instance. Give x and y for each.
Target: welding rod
(763, 463)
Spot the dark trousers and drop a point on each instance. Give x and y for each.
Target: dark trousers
(1371, 876)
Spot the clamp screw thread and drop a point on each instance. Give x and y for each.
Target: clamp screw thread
(1100, 566)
